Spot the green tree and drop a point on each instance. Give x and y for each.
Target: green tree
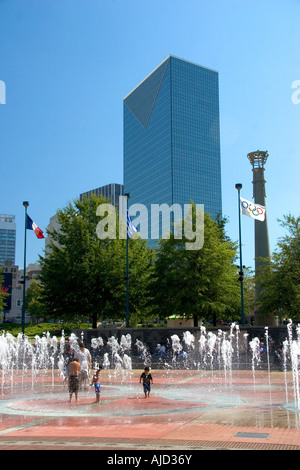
(279, 278)
(3, 294)
(141, 265)
(34, 301)
(83, 276)
(201, 283)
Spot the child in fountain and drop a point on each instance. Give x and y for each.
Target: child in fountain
(74, 369)
(147, 379)
(96, 383)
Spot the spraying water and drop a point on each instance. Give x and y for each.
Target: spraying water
(292, 350)
(222, 351)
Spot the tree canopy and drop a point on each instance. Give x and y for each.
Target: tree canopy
(279, 277)
(83, 275)
(201, 283)
(3, 294)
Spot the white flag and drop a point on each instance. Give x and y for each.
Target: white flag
(255, 211)
(131, 228)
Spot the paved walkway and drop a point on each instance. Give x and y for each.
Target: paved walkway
(187, 410)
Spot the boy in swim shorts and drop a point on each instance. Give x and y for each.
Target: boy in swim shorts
(96, 383)
(74, 369)
(147, 379)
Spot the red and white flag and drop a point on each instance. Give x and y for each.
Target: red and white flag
(30, 225)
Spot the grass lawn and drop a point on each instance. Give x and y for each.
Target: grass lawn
(31, 330)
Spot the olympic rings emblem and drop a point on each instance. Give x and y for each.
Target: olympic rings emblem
(251, 208)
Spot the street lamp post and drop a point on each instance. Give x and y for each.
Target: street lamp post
(25, 204)
(241, 273)
(127, 195)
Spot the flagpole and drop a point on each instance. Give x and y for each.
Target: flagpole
(25, 204)
(127, 264)
(241, 273)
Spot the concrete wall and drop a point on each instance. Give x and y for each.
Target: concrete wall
(152, 336)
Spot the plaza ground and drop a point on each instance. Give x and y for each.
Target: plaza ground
(187, 410)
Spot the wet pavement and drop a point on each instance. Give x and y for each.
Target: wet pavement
(187, 410)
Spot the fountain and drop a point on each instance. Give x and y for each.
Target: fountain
(209, 370)
(292, 351)
(18, 357)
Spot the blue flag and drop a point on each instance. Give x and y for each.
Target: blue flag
(131, 228)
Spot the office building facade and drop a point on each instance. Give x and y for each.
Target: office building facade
(172, 138)
(111, 192)
(7, 239)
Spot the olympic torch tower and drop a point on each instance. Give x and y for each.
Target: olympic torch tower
(261, 237)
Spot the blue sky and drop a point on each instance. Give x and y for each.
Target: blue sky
(68, 64)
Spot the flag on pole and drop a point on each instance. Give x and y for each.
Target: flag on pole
(255, 211)
(30, 225)
(131, 228)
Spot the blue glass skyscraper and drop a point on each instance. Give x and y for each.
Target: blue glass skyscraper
(172, 137)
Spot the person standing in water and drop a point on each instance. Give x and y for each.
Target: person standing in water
(85, 360)
(147, 379)
(74, 369)
(96, 383)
